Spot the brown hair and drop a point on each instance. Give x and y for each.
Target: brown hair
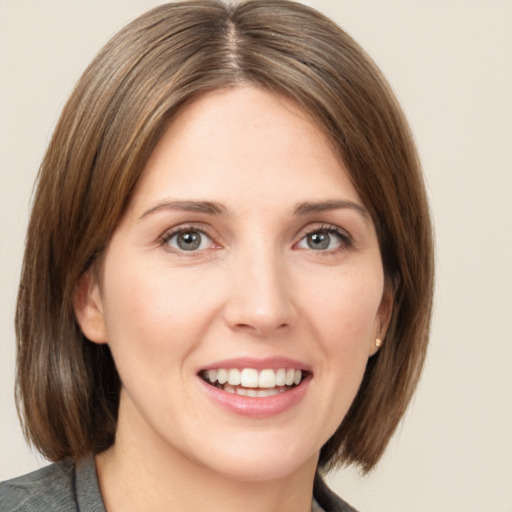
(67, 387)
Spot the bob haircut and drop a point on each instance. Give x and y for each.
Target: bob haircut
(67, 387)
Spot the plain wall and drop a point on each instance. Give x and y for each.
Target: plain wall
(450, 62)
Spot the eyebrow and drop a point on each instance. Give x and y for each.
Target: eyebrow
(310, 207)
(213, 208)
(207, 207)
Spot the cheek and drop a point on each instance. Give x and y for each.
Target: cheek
(343, 320)
(346, 313)
(154, 314)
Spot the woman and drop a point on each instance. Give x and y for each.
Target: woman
(228, 273)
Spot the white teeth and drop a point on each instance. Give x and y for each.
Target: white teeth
(267, 392)
(266, 382)
(249, 378)
(267, 379)
(234, 377)
(222, 376)
(281, 377)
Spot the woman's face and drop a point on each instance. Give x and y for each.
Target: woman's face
(245, 254)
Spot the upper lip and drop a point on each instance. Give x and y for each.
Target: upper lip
(274, 363)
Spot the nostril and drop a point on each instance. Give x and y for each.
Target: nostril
(260, 328)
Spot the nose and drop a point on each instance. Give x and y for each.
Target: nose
(260, 300)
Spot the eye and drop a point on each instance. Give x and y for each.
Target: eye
(324, 239)
(188, 240)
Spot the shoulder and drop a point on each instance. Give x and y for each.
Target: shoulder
(328, 500)
(47, 489)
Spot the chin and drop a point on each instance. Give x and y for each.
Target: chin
(254, 462)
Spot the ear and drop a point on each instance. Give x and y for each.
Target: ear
(88, 308)
(383, 318)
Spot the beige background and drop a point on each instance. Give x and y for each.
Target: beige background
(450, 63)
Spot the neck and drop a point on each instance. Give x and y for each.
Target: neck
(138, 473)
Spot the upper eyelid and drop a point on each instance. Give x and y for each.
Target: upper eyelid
(323, 226)
(188, 226)
(171, 232)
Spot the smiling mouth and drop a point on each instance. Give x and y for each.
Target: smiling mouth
(253, 383)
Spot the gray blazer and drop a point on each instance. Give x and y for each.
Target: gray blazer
(66, 487)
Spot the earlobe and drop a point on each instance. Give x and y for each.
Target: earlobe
(88, 308)
(383, 319)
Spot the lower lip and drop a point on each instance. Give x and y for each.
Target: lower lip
(257, 407)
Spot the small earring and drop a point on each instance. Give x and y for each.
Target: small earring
(378, 342)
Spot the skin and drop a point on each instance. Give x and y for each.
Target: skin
(254, 288)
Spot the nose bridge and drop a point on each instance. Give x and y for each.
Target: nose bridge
(260, 298)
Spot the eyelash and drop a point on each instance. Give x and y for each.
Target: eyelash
(168, 235)
(346, 241)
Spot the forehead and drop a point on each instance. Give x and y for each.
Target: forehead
(243, 142)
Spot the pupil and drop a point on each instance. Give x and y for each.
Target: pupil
(319, 240)
(189, 241)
